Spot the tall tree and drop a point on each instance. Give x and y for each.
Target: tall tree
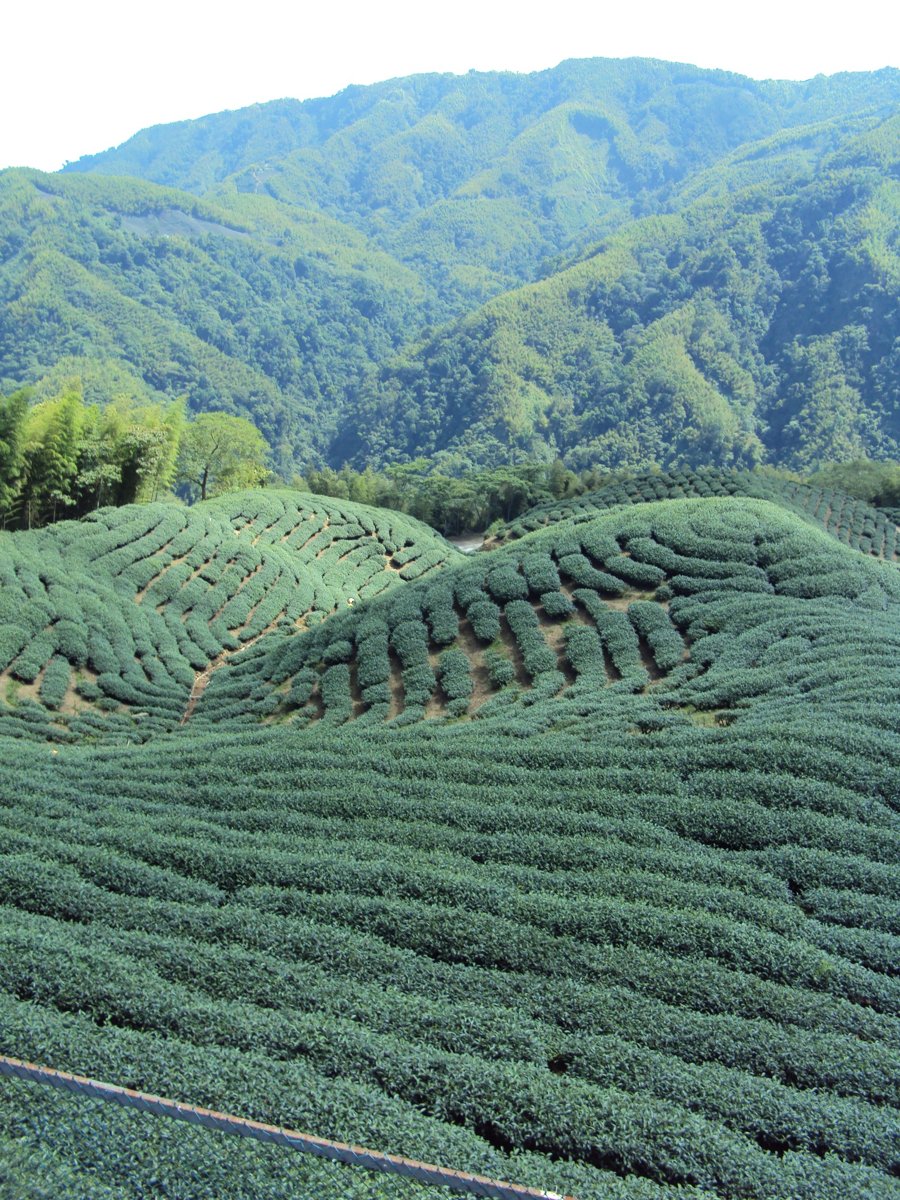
(220, 453)
(52, 434)
(13, 411)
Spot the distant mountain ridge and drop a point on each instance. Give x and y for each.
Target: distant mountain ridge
(541, 159)
(623, 263)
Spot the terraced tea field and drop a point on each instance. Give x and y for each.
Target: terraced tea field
(572, 863)
(121, 621)
(855, 523)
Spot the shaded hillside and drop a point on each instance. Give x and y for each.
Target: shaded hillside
(561, 614)
(249, 307)
(711, 265)
(760, 324)
(608, 905)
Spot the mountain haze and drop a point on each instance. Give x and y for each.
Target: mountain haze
(479, 178)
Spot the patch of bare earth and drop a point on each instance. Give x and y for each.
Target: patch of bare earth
(482, 686)
(395, 682)
(202, 678)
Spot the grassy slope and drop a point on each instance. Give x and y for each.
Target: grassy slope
(130, 611)
(871, 530)
(634, 918)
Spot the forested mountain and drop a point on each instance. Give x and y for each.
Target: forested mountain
(758, 319)
(478, 179)
(621, 263)
(242, 305)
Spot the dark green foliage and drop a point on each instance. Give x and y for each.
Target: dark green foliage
(578, 569)
(55, 681)
(456, 680)
(442, 619)
(148, 292)
(335, 688)
(505, 583)
(571, 887)
(536, 654)
(710, 262)
(556, 604)
(540, 574)
(838, 513)
(484, 618)
(757, 320)
(147, 597)
(652, 624)
(499, 667)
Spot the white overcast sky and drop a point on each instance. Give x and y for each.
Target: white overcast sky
(78, 77)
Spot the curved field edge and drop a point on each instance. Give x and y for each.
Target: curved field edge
(116, 624)
(851, 521)
(632, 936)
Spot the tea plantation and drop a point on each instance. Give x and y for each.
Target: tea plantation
(573, 863)
(115, 624)
(857, 524)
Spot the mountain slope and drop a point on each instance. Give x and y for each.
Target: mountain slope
(857, 524)
(712, 265)
(132, 610)
(246, 307)
(762, 323)
(476, 179)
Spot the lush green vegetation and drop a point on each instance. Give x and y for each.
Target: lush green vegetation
(711, 266)
(754, 323)
(572, 862)
(865, 528)
(63, 458)
(477, 181)
(110, 626)
(258, 311)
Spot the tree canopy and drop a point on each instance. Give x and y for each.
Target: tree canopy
(221, 453)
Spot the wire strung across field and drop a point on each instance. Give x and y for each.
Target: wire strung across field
(372, 1160)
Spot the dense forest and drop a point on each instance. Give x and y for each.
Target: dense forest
(762, 324)
(620, 264)
(62, 458)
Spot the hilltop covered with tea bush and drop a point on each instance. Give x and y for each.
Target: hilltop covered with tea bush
(571, 862)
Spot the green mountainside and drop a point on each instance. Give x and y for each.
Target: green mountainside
(246, 307)
(572, 862)
(623, 263)
(478, 179)
(761, 320)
